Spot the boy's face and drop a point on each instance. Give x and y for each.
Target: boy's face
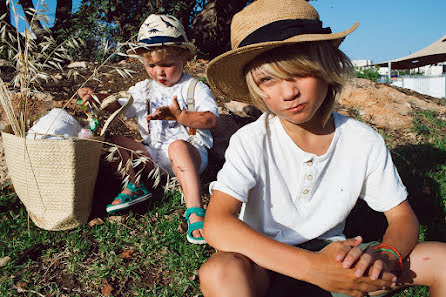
(166, 70)
(296, 100)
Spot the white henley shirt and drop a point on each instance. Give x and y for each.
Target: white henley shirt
(294, 196)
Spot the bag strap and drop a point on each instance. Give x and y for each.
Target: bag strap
(191, 101)
(111, 99)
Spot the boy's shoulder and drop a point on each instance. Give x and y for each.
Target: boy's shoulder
(354, 129)
(257, 129)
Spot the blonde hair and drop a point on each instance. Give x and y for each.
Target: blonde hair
(164, 51)
(320, 59)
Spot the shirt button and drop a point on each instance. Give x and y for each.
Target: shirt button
(305, 192)
(309, 177)
(310, 163)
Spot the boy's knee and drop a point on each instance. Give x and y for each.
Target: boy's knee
(224, 268)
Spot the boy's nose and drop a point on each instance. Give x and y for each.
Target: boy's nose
(289, 90)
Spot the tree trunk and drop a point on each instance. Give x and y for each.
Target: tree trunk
(211, 28)
(63, 12)
(4, 9)
(35, 25)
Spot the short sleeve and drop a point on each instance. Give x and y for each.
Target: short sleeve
(382, 188)
(139, 94)
(237, 175)
(204, 101)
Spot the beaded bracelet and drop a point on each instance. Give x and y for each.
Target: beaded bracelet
(391, 249)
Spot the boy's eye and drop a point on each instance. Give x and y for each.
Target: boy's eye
(150, 65)
(265, 79)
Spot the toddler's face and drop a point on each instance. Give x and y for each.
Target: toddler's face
(166, 71)
(296, 99)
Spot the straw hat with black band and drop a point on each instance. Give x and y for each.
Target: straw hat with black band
(259, 27)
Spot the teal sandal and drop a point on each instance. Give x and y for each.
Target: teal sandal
(194, 226)
(127, 200)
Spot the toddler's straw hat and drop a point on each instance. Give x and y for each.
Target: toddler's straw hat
(161, 30)
(259, 27)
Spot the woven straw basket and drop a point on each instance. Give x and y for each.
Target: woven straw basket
(55, 179)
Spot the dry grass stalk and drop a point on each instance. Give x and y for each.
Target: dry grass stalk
(31, 62)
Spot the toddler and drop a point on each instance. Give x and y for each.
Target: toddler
(174, 137)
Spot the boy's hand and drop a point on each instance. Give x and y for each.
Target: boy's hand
(330, 274)
(85, 94)
(373, 262)
(169, 113)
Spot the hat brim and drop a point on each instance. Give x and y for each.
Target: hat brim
(136, 48)
(225, 73)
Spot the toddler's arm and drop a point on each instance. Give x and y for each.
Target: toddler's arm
(85, 95)
(401, 234)
(224, 231)
(195, 119)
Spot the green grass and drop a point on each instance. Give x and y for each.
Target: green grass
(83, 261)
(87, 258)
(422, 167)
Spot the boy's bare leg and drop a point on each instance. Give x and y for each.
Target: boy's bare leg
(231, 274)
(186, 161)
(426, 265)
(126, 155)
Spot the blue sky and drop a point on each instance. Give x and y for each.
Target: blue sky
(388, 29)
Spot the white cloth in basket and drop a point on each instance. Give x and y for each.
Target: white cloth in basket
(56, 122)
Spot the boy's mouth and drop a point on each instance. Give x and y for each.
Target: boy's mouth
(163, 81)
(296, 108)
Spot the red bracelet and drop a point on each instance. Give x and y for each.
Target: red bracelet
(386, 247)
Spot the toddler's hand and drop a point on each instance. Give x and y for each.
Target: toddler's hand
(169, 113)
(85, 94)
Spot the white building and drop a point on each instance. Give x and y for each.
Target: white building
(361, 63)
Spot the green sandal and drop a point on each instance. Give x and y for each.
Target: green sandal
(127, 200)
(194, 226)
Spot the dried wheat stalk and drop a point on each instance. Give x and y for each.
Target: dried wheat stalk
(31, 61)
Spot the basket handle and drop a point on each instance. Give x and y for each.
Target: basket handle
(111, 99)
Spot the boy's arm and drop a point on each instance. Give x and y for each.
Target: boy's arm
(204, 120)
(402, 234)
(403, 230)
(224, 231)
(85, 95)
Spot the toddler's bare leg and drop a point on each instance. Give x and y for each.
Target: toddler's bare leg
(231, 274)
(186, 161)
(126, 155)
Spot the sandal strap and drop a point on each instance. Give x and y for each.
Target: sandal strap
(124, 198)
(195, 226)
(196, 210)
(132, 187)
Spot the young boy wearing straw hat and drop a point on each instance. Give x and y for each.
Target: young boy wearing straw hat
(164, 118)
(291, 178)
